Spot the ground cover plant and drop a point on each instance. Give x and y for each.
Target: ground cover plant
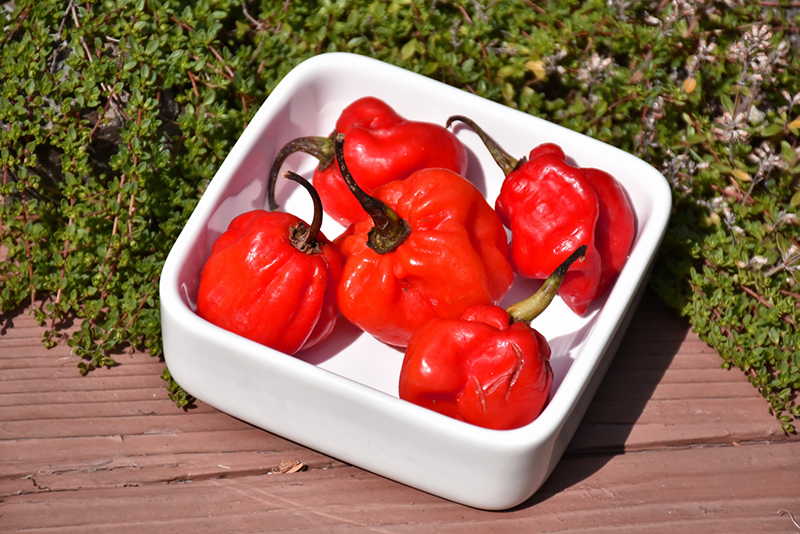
(114, 116)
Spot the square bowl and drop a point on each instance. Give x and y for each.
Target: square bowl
(340, 398)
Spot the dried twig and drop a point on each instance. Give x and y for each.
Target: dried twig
(783, 511)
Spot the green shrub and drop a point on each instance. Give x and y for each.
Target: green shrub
(114, 116)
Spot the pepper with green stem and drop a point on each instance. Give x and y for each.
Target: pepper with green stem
(489, 367)
(551, 207)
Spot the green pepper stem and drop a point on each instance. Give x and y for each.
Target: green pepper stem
(530, 308)
(390, 230)
(504, 160)
(319, 147)
(304, 238)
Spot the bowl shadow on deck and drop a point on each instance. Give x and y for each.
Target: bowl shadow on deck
(645, 352)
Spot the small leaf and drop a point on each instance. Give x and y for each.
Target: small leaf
(505, 71)
(537, 67)
(289, 466)
(600, 108)
(771, 130)
(727, 103)
(787, 153)
(409, 49)
(741, 175)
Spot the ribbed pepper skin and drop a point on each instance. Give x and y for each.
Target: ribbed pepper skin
(616, 226)
(551, 208)
(257, 284)
(454, 257)
(480, 369)
(382, 147)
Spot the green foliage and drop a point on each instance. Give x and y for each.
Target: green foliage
(114, 116)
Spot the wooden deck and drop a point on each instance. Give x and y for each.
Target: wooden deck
(671, 443)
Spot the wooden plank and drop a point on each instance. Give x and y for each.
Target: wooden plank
(693, 490)
(26, 457)
(97, 381)
(83, 397)
(148, 469)
(672, 441)
(39, 411)
(110, 426)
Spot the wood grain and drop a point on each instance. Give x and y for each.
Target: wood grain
(672, 442)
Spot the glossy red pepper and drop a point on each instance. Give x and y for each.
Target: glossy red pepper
(489, 367)
(272, 278)
(382, 147)
(432, 248)
(551, 207)
(616, 226)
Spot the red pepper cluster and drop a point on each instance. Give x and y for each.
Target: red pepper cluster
(424, 260)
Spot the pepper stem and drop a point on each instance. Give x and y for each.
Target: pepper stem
(304, 237)
(530, 308)
(504, 160)
(390, 230)
(319, 147)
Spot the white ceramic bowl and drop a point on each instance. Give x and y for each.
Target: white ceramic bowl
(341, 397)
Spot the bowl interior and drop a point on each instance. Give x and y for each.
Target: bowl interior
(308, 102)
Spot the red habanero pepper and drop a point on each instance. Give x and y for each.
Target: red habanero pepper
(272, 279)
(616, 226)
(382, 147)
(551, 207)
(432, 248)
(489, 367)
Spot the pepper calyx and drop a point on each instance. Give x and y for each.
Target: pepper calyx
(529, 309)
(319, 147)
(304, 237)
(504, 160)
(389, 230)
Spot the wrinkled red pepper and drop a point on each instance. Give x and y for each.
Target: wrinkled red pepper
(432, 248)
(272, 278)
(489, 367)
(551, 207)
(382, 147)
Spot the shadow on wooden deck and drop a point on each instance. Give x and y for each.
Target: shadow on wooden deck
(645, 352)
